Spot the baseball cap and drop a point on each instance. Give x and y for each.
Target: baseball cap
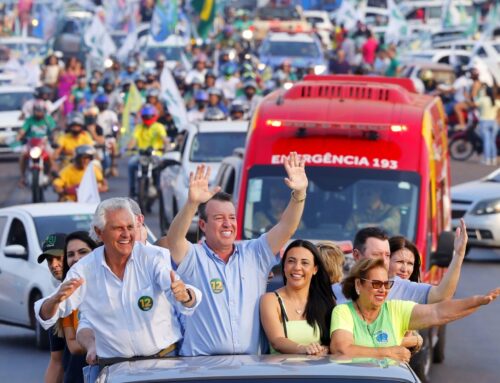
(52, 246)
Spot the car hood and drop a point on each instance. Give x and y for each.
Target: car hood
(476, 190)
(10, 119)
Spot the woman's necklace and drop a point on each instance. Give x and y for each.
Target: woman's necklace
(364, 319)
(298, 311)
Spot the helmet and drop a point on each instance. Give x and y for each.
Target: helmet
(229, 69)
(141, 77)
(153, 92)
(132, 63)
(39, 106)
(150, 72)
(210, 73)
(214, 114)
(84, 150)
(250, 84)
(201, 96)
(228, 30)
(101, 99)
(42, 91)
(149, 114)
(161, 57)
(237, 106)
(427, 75)
(93, 81)
(76, 119)
(215, 91)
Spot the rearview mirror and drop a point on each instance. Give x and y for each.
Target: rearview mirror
(15, 251)
(444, 252)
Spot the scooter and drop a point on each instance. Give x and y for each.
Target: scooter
(463, 144)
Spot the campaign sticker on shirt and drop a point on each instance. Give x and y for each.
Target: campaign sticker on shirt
(381, 336)
(217, 286)
(145, 303)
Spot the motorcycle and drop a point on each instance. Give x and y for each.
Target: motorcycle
(147, 190)
(38, 166)
(463, 144)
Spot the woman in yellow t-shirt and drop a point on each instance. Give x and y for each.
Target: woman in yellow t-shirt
(296, 317)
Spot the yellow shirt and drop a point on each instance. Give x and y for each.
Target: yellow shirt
(69, 143)
(151, 136)
(487, 111)
(71, 176)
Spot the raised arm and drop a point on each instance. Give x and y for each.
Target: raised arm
(342, 344)
(448, 285)
(281, 233)
(437, 314)
(198, 193)
(50, 306)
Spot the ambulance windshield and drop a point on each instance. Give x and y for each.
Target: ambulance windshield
(340, 201)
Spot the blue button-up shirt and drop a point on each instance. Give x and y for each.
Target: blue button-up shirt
(227, 320)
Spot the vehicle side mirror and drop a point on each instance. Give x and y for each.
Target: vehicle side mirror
(174, 155)
(166, 162)
(444, 252)
(15, 251)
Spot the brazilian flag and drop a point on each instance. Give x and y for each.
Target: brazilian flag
(205, 9)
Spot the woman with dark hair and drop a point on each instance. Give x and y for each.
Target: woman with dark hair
(372, 326)
(296, 317)
(405, 259)
(78, 245)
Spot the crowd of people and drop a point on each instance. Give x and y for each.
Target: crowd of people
(133, 305)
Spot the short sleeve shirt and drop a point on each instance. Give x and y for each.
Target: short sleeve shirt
(151, 136)
(71, 176)
(38, 128)
(68, 143)
(227, 320)
(387, 330)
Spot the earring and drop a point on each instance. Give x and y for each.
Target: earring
(357, 291)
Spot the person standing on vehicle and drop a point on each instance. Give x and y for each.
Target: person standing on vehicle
(149, 134)
(232, 276)
(488, 105)
(39, 125)
(126, 292)
(69, 178)
(53, 252)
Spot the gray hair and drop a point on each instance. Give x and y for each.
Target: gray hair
(136, 209)
(111, 204)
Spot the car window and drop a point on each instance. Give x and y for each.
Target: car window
(213, 147)
(294, 49)
(481, 52)
(61, 224)
(444, 60)
(231, 176)
(3, 223)
(279, 13)
(13, 100)
(17, 234)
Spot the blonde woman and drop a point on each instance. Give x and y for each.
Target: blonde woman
(333, 258)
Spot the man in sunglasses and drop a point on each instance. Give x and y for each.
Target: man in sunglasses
(373, 242)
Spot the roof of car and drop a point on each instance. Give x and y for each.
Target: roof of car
(256, 366)
(15, 88)
(431, 65)
(222, 126)
(21, 39)
(284, 36)
(53, 208)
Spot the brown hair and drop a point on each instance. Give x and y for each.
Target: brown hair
(220, 196)
(399, 242)
(333, 259)
(360, 270)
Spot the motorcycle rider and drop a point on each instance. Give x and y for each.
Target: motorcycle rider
(215, 100)
(107, 119)
(197, 113)
(75, 136)
(149, 134)
(39, 125)
(42, 93)
(68, 180)
(229, 82)
(237, 111)
(250, 96)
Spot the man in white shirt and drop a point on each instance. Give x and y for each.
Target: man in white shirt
(125, 291)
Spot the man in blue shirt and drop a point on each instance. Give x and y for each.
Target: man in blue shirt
(231, 276)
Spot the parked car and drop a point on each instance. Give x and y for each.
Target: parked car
(259, 369)
(229, 175)
(207, 143)
(478, 202)
(301, 49)
(12, 99)
(23, 280)
(454, 57)
(68, 38)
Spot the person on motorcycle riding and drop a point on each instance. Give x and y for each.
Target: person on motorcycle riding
(77, 96)
(114, 99)
(107, 119)
(210, 78)
(214, 113)
(42, 93)
(153, 98)
(198, 71)
(69, 178)
(197, 113)
(39, 125)
(149, 134)
(250, 97)
(75, 136)
(215, 100)
(237, 111)
(140, 84)
(229, 82)
(92, 91)
(243, 21)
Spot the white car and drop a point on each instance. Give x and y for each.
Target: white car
(12, 99)
(320, 21)
(454, 57)
(207, 143)
(489, 53)
(23, 280)
(478, 202)
(172, 48)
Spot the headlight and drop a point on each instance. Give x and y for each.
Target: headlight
(261, 66)
(247, 34)
(35, 152)
(319, 69)
(488, 206)
(287, 85)
(108, 63)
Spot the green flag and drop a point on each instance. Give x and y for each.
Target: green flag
(205, 9)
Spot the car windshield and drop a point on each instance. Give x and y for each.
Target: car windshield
(13, 100)
(293, 379)
(339, 202)
(61, 224)
(11, 49)
(213, 147)
(280, 13)
(172, 53)
(292, 49)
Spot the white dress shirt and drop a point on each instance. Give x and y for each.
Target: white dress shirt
(130, 317)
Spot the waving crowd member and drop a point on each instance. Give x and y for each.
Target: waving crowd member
(372, 326)
(232, 276)
(126, 293)
(296, 317)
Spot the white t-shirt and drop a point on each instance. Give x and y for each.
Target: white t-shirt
(461, 85)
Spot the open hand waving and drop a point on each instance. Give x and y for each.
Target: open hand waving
(199, 191)
(297, 179)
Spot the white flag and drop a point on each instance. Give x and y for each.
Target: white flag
(98, 40)
(397, 27)
(88, 192)
(348, 15)
(173, 99)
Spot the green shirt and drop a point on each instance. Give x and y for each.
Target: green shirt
(38, 128)
(300, 332)
(387, 330)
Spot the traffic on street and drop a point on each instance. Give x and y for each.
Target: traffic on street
(192, 190)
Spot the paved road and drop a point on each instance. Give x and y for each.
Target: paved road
(473, 344)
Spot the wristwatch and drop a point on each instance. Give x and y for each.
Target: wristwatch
(190, 297)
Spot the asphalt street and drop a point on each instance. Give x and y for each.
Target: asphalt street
(473, 344)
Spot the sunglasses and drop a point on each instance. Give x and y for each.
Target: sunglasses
(376, 284)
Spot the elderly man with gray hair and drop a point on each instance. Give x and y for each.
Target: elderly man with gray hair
(127, 293)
